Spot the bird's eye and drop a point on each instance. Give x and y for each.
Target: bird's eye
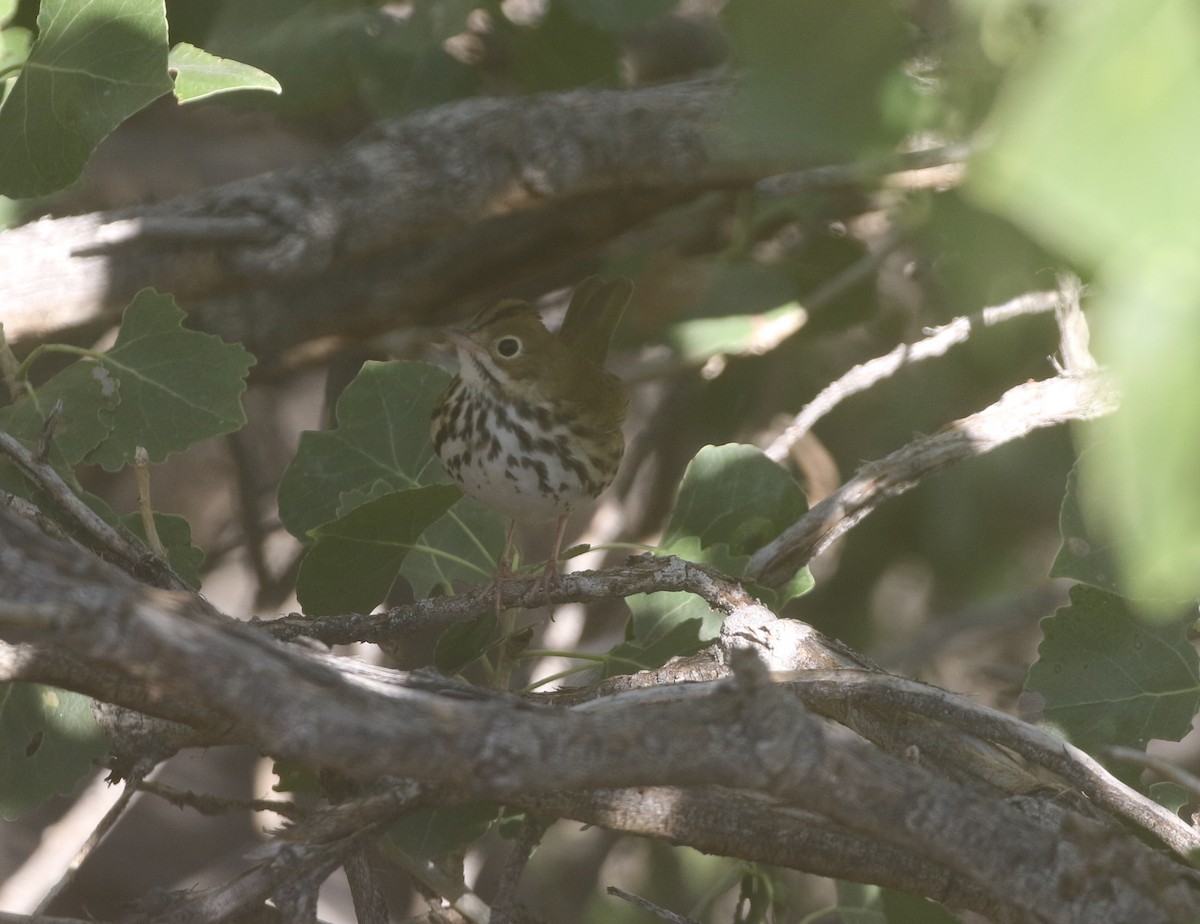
(508, 347)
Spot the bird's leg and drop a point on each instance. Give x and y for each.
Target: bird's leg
(548, 579)
(504, 565)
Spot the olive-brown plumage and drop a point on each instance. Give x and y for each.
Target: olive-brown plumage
(531, 425)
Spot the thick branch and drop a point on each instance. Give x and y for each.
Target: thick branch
(747, 734)
(418, 213)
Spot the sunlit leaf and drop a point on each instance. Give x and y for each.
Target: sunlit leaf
(199, 75)
(93, 64)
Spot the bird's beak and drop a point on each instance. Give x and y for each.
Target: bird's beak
(459, 338)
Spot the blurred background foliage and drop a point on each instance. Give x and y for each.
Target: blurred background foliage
(1082, 117)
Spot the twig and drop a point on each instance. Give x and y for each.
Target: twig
(1172, 772)
(1020, 411)
(207, 804)
(646, 905)
(141, 468)
(113, 545)
(937, 343)
(854, 174)
(504, 904)
(98, 834)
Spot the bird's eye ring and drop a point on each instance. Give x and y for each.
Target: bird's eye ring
(508, 347)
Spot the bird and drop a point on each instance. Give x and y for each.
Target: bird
(531, 425)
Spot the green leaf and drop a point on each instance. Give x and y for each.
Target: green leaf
(381, 437)
(178, 386)
(1083, 556)
(656, 616)
(462, 546)
(93, 64)
(1111, 98)
(733, 494)
(732, 501)
(1139, 478)
(88, 392)
(1109, 679)
(355, 559)
(560, 52)
(683, 634)
(382, 443)
(739, 305)
(462, 643)
(48, 740)
(433, 833)
(199, 75)
(175, 533)
(734, 334)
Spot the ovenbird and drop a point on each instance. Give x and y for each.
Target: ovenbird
(531, 425)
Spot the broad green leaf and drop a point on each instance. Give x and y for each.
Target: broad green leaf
(462, 546)
(741, 306)
(1111, 98)
(382, 435)
(682, 635)
(1082, 556)
(1139, 479)
(199, 75)
(1109, 679)
(8, 9)
(735, 334)
(88, 392)
(48, 740)
(177, 386)
(355, 560)
(175, 533)
(819, 79)
(382, 443)
(433, 833)
(732, 501)
(733, 494)
(93, 64)
(462, 643)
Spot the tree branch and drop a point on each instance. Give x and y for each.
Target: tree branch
(744, 733)
(416, 214)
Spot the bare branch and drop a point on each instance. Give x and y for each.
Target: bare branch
(865, 375)
(110, 542)
(646, 905)
(1020, 411)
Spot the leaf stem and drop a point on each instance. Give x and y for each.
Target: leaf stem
(23, 369)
